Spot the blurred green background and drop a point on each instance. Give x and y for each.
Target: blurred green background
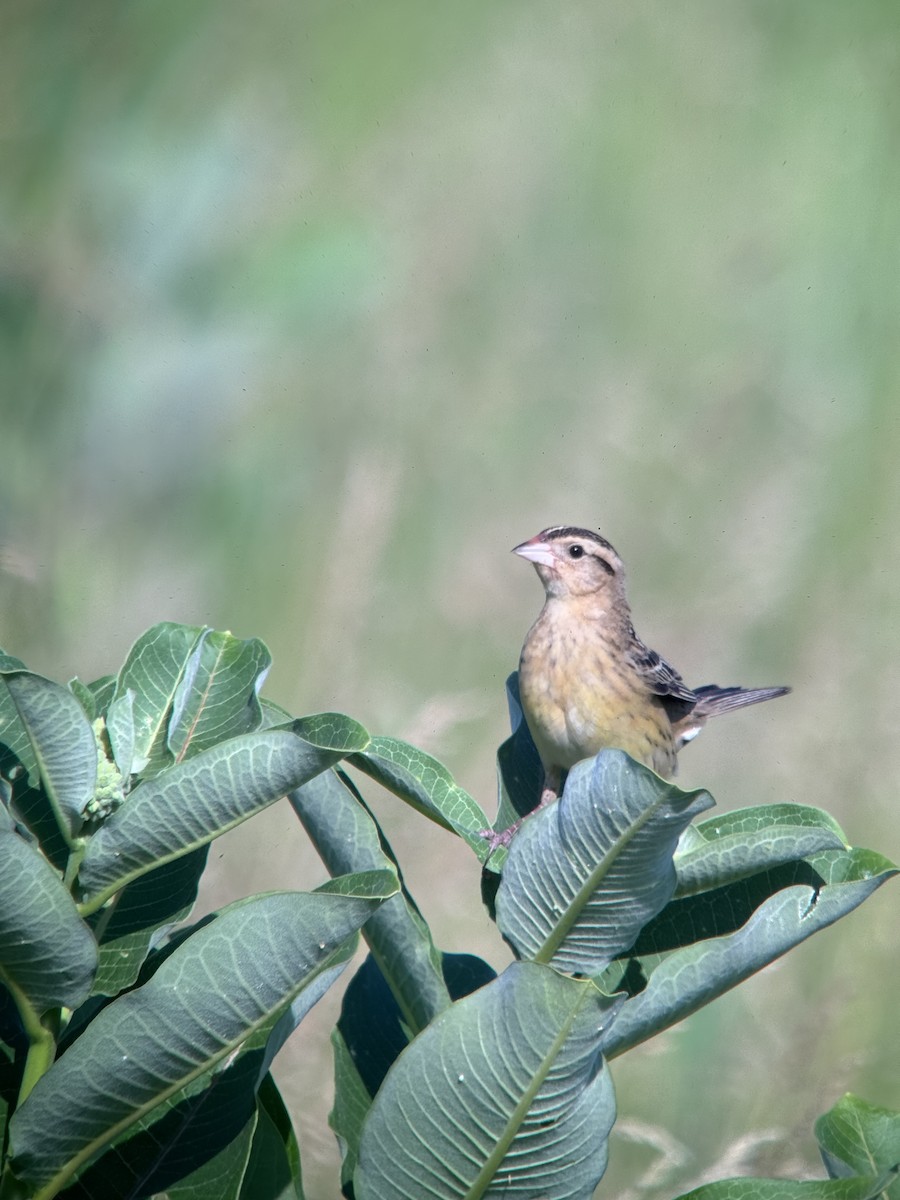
(311, 311)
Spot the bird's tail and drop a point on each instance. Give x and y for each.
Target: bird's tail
(712, 699)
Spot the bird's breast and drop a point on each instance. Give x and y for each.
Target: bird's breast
(578, 698)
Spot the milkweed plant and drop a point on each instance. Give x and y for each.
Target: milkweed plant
(136, 1047)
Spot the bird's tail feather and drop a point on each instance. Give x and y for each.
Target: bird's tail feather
(712, 699)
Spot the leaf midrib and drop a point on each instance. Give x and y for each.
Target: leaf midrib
(580, 899)
(68, 1170)
(485, 1176)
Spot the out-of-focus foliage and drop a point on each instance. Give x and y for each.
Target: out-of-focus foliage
(308, 313)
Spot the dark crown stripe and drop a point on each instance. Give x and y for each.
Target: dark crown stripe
(563, 531)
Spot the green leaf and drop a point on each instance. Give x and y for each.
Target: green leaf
(738, 844)
(153, 670)
(47, 954)
(219, 1178)
(756, 819)
(190, 804)
(217, 697)
(586, 874)
(372, 1033)
(273, 1170)
(409, 974)
(121, 734)
(103, 691)
(232, 977)
(9, 1076)
(701, 946)
(279, 1032)
(136, 918)
(332, 731)
(62, 743)
(860, 1188)
(520, 775)
(376, 881)
(21, 788)
(508, 1086)
(199, 1138)
(273, 715)
(426, 785)
(856, 1138)
(372, 1023)
(348, 839)
(195, 1148)
(352, 1102)
(85, 697)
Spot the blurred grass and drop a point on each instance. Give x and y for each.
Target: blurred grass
(308, 314)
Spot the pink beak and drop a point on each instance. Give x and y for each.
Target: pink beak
(536, 551)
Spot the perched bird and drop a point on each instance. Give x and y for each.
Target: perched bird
(588, 682)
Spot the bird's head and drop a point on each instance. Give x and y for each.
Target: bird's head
(574, 562)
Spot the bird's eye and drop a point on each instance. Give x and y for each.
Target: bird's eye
(576, 551)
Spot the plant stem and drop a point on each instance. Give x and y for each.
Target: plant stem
(41, 1034)
(74, 862)
(38, 1060)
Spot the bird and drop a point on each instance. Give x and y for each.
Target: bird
(586, 680)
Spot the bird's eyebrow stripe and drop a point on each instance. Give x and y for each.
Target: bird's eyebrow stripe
(575, 531)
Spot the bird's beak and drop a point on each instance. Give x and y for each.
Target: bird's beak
(537, 552)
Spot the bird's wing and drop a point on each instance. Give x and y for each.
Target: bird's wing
(659, 676)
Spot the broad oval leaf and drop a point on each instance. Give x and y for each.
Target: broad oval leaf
(47, 954)
(153, 671)
(520, 775)
(426, 784)
(679, 964)
(21, 789)
(63, 744)
(332, 731)
(372, 1033)
(230, 978)
(586, 874)
(217, 696)
(351, 1106)
(103, 691)
(505, 1093)
(142, 912)
(861, 1187)
(120, 731)
(195, 1144)
(190, 804)
(197, 1150)
(856, 1137)
(757, 818)
(373, 1024)
(273, 715)
(408, 987)
(745, 841)
(273, 1169)
(85, 697)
